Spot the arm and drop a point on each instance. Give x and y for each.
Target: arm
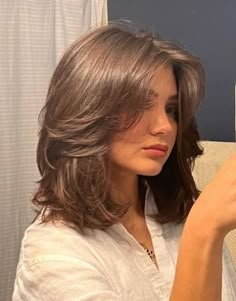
(199, 265)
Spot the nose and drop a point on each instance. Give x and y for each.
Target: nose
(163, 123)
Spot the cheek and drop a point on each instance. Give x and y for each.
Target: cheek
(134, 134)
(172, 137)
(126, 145)
(174, 130)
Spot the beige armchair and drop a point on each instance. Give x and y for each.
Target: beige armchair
(215, 153)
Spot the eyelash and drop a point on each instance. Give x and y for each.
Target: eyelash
(174, 113)
(172, 110)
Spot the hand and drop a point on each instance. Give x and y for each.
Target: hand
(216, 206)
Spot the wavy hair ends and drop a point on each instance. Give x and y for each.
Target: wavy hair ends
(101, 87)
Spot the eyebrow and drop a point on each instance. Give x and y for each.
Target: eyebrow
(174, 98)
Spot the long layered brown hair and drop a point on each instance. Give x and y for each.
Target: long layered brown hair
(102, 77)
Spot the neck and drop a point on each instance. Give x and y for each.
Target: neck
(125, 188)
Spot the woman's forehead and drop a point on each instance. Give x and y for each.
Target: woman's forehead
(164, 81)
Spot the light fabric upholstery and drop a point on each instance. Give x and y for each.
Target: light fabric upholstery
(206, 166)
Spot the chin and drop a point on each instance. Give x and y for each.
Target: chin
(151, 171)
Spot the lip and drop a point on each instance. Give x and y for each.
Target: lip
(156, 150)
(161, 147)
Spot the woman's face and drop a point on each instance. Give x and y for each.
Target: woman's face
(144, 148)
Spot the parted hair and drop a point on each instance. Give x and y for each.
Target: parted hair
(102, 77)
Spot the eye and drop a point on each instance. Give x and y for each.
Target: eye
(172, 110)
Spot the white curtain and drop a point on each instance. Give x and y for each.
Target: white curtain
(33, 36)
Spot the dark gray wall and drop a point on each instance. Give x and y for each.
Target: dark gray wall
(208, 29)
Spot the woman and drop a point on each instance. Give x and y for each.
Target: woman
(117, 216)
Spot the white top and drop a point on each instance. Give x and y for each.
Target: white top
(57, 264)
